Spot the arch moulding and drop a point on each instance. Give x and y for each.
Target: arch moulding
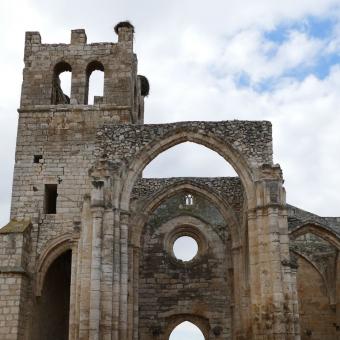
(189, 187)
(245, 171)
(51, 252)
(317, 230)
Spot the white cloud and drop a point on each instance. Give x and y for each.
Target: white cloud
(334, 41)
(306, 120)
(251, 53)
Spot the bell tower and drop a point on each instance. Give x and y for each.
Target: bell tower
(55, 149)
(124, 90)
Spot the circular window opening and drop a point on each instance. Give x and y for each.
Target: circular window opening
(185, 248)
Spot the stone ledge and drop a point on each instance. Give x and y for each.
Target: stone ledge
(71, 107)
(13, 270)
(15, 226)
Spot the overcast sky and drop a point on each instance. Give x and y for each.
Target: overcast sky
(208, 60)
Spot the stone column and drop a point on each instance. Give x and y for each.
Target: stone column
(74, 298)
(293, 266)
(124, 272)
(97, 210)
(136, 252)
(95, 292)
(78, 87)
(239, 281)
(116, 277)
(337, 294)
(131, 295)
(85, 255)
(270, 282)
(106, 286)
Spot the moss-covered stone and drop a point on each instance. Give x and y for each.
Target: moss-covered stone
(15, 226)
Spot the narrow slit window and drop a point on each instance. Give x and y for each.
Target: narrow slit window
(37, 158)
(51, 194)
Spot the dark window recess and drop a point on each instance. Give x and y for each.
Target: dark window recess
(37, 158)
(51, 194)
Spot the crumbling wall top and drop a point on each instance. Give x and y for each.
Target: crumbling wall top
(251, 140)
(124, 30)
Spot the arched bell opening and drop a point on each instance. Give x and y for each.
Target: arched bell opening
(94, 90)
(61, 83)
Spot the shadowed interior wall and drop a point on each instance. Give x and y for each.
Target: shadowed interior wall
(52, 316)
(317, 317)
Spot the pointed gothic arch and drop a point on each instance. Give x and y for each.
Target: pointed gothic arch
(194, 188)
(316, 229)
(51, 252)
(242, 167)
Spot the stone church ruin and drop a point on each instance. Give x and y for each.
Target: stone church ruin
(88, 252)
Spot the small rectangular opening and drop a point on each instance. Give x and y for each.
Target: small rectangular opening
(37, 158)
(51, 194)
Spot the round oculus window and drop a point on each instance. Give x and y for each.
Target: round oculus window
(185, 248)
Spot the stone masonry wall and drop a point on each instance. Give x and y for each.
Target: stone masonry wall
(230, 188)
(14, 279)
(169, 287)
(43, 62)
(318, 318)
(66, 140)
(252, 139)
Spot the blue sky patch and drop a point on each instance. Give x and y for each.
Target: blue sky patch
(320, 28)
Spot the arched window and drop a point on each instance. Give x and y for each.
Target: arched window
(61, 83)
(186, 330)
(94, 83)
